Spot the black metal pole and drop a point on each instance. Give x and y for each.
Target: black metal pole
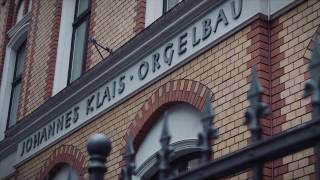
(99, 147)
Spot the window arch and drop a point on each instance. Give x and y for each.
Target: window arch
(66, 154)
(184, 122)
(173, 94)
(63, 171)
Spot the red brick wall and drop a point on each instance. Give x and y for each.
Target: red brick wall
(280, 50)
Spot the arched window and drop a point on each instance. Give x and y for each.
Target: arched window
(184, 122)
(63, 172)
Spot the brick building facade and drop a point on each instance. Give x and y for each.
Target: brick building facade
(188, 51)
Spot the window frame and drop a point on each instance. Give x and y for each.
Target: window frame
(16, 80)
(165, 5)
(84, 17)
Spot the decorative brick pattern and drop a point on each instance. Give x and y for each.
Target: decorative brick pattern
(259, 51)
(64, 154)
(173, 92)
(280, 50)
(225, 74)
(291, 52)
(53, 51)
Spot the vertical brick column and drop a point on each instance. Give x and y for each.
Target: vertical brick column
(53, 51)
(30, 50)
(291, 38)
(140, 17)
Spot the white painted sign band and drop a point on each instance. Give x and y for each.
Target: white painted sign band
(214, 25)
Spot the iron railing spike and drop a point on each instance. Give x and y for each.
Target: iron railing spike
(209, 132)
(165, 152)
(165, 135)
(208, 109)
(256, 110)
(130, 166)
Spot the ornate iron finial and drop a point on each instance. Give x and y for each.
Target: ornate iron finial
(99, 147)
(257, 108)
(165, 151)
(129, 169)
(209, 132)
(312, 87)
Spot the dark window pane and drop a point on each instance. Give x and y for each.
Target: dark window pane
(14, 104)
(20, 60)
(82, 6)
(171, 4)
(78, 51)
(16, 85)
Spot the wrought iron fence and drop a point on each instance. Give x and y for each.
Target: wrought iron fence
(253, 156)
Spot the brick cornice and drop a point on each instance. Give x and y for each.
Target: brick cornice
(171, 93)
(64, 154)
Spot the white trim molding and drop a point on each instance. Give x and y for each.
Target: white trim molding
(18, 34)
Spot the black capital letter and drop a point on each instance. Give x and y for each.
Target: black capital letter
(89, 106)
(182, 43)
(76, 114)
(235, 14)
(168, 59)
(221, 17)
(155, 62)
(68, 119)
(121, 84)
(143, 65)
(206, 29)
(195, 41)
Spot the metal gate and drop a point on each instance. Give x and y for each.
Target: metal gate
(251, 158)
